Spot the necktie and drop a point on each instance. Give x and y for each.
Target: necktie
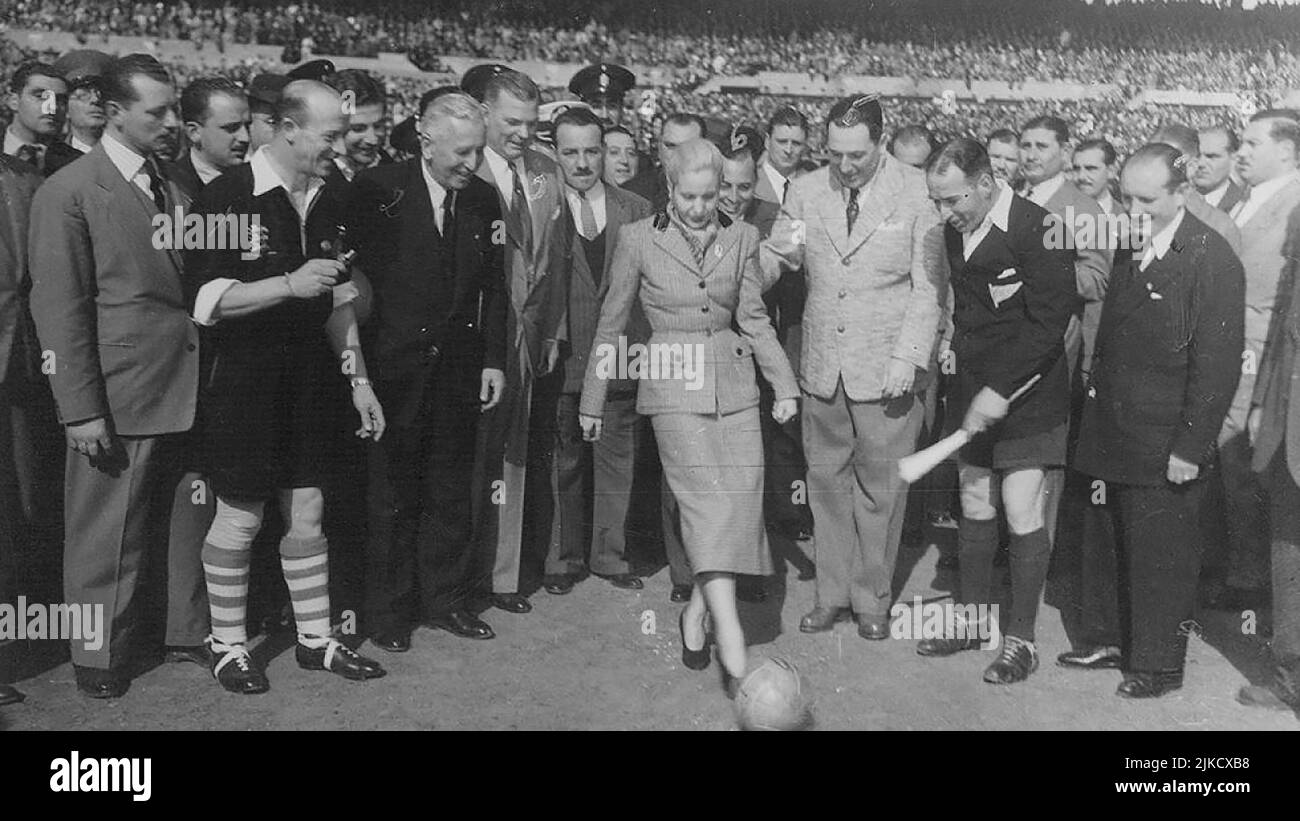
(448, 217)
(31, 154)
(156, 185)
(519, 205)
(785, 191)
(587, 217)
(851, 211)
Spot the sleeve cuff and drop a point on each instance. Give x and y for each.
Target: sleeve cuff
(344, 294)
(205, 304)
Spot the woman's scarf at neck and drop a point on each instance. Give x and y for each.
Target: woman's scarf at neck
(698, 240)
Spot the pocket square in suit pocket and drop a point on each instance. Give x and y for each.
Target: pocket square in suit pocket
(1001, 293)
(1008, 273)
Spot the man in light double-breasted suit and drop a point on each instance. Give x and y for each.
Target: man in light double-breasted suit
(870, 240)
(537, 248)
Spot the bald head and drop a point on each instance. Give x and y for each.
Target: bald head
(1179, 136)
(309, 125)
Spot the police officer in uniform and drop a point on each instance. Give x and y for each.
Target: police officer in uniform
(603, 87)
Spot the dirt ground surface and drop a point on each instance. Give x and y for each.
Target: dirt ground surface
(602, 658)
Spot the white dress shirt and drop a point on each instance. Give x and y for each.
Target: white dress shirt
(1042, 192)
(503, 172)
(437, 196)
(595, 196)
(775, 177)
(1161, 241)
(1107, 202)
(1216, 196)
(999, 214)
(131, 164)
(207, 171)
(1258, 195)
(80, 144)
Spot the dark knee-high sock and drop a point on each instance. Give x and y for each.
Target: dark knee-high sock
(1030, 554)
(977, 541)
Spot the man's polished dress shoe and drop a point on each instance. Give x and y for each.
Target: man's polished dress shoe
(1092, 658)
(681, 593)
(937, 648)
(511, 603)
(626, 581)
(101, 683)
(1282, 693)
(462, 623)
(337, 658)
(1019, 658)
(9, 695)
(196, 654)
(821, 619)
(872, 628)
(392, 641)
(235, 670)
(1149, 684)
(558, 585)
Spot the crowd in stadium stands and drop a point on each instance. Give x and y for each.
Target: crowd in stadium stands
(1198, 47)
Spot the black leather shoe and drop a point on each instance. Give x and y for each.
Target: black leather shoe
(511, 603)
(198, 654)
(558, 585)
(693, 659)
(821, 619)
(1092, 658)
(625, 581)
(938, 648)
(9, 695)
(1150, 684)
(235, 670)
(462, 623)
(337, 658)
(392, 641)
(1019, 658)
(872, 629)
(1282, 693)
(101, 683)
(750, 589)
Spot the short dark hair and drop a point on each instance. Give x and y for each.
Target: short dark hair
(1174, 161)
(1054, 124)
(1182, 137)
(582, 117)
(1003, 135)
(1284, 125)
(119, 79)
(197, 96)
(1107, 150)
(29, 69)
(516, 83)
(966, 154)
(862, 109)
(365, 88)
(1234, 141)
(685, 118)
(427, 98)
(787, 115)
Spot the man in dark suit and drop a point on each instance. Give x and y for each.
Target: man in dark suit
(1013, 296)
(516, 462)
(597, 474)
(38, 98)
(109, 307)
(82, 69)
(424, 233)
(31, 466)
(1213, 177)
(214, 114)
(650, 182)
(1168, 359)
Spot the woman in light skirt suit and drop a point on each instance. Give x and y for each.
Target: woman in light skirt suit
(693, 272)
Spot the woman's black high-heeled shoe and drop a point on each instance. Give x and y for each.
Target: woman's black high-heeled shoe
(693, 659)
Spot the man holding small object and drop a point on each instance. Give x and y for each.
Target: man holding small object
(1013, 298)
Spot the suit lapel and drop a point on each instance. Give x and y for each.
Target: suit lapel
(1135, 289)
(674, 244)
(514, 228)
(614, 219)
(130, 205)
(719, 249)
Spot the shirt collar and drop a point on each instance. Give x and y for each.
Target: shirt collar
(1160, 242)
(595, 195)
(1045, 190)
(265, 177)
(1107, 202)
(775, 177)
(13, 142)
(207, 171)
(80, 144)
(1262, 193)
(1000, 212)
(499, 166)
(437, 193)
(1215, 195)
(128, 162)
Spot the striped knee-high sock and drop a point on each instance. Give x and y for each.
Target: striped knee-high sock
(306, 571)
(226, 572)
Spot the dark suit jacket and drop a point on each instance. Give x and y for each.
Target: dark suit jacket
(1231, 197)
(424, 311)
(19, 353)
(651, 184)
(183, 174)
(58, 156)
(1003, 345)
(1277, 389)
(586, 294)
(110, 305)
(1168, 359)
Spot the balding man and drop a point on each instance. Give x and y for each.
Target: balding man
(284, 350)
(912, 145)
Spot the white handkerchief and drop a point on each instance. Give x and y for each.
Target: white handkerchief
(1010, 272)
(1001, 293)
